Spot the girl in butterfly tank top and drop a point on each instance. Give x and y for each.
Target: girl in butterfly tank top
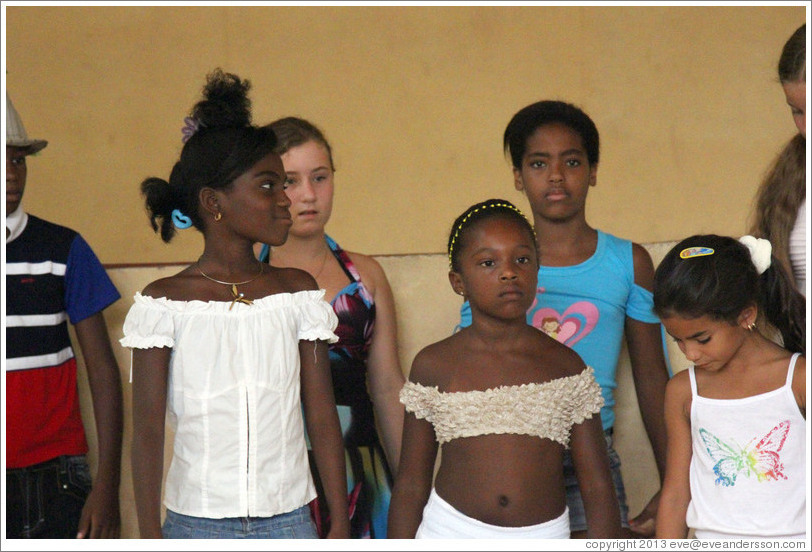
(735, 419)
(504, 400)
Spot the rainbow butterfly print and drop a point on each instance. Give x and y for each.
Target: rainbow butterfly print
(760, 460)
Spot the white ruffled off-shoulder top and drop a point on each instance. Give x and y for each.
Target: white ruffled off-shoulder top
(547, 410)
(233, 397)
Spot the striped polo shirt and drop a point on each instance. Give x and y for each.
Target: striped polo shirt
(52, 277)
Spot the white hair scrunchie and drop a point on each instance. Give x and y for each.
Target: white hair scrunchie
(760, 252)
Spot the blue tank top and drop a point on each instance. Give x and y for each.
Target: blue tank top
(585, 306)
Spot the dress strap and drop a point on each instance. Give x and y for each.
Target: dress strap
(265, 254)
(791, 369)
(352, 273)
(343, 260)
(692, 377)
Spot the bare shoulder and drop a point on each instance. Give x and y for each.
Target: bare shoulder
(371, 271)
(431, 364)
(679, 386)
(643, 266)
(641, 254)
(175, 287)
(678, 399)
(292, 280)
(799, 382)
(559, 360)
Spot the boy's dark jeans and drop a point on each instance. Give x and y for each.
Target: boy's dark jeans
(45, 501)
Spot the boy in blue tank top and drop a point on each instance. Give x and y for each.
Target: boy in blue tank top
(593, 286)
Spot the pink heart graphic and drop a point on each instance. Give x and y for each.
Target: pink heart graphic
(567, 329)
(570, 327)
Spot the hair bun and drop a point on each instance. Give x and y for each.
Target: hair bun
(225, 102)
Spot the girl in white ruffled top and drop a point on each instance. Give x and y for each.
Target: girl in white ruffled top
(231, 347)
(504, 400)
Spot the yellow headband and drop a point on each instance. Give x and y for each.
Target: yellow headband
(471, 214)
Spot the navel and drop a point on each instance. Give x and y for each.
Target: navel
(503, 500)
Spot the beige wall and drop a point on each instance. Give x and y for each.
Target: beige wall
(414, 99)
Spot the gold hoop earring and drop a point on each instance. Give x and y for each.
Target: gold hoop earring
(218, 216)
(751, 326)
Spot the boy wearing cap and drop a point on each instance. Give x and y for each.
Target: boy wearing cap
(52, 276)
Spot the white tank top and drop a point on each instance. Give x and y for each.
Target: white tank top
(748, 476)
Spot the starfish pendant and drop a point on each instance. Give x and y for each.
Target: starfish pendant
(238, 297)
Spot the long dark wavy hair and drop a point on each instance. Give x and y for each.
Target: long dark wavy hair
(778, 198)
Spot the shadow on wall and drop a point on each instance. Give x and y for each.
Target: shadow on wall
(428, 310)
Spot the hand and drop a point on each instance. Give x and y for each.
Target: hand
(101, 517)
(339, 529)
(644, 523)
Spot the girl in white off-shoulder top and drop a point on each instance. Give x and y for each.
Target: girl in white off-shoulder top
(504, 400)
(232, 347)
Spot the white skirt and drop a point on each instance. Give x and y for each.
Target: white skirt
(442, 521)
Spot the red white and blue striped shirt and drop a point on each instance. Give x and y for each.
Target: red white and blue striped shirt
(52, 277)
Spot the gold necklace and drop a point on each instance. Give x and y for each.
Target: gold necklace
(238, 296)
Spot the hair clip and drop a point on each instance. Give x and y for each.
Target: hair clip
(192, 125)
(690, 252)
(180, 220)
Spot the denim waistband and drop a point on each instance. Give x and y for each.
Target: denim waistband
(56, 464)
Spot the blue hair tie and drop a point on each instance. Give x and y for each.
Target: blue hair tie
(180, 220)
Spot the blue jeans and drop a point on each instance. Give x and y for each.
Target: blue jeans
(45, 501)
(574, 501)
(291, 525)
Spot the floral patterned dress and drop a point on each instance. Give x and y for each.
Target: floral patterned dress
(369, 479)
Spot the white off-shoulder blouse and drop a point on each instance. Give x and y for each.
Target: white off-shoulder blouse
(547, 410)
(233, 398)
